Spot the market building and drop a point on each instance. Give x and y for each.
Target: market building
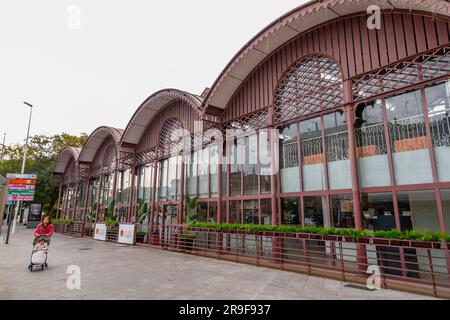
(317, 120)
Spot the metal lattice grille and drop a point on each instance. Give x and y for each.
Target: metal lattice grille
(247, 123)
(431, 65)
(146, 157)
(109, 159)
(171, 138)
(312, 84)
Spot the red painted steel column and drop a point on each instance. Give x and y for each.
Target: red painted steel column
(181, 215)
(350, 119)
(273, 169)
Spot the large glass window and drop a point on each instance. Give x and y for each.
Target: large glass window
(192, 174)
(342, 211)
(290, 214)
(213, 168)
(336, 140)
(172, 182)
(251, 212)
(378, 211)
(408, 137)
(266, 212)
(315, 211)
(250, 165)
(203, 173)
(163, 187)
(417, 210)
(312, 154)
(212, 212)
(236, 159)
(445, 195)
(438, 101)
(235, 212)
(289, 175)
(371, 147)
(265, 161)
(202, 211)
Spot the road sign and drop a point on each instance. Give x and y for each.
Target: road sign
(21, 187)
(21, 176)
(20, 198)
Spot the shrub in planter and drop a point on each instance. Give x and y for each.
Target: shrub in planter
(140, 236)
(187, 240)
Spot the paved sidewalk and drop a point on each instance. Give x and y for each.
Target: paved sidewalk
(113, 271)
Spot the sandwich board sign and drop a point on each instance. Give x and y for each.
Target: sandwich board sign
(127, 233)
(100, 232)
(21, 187)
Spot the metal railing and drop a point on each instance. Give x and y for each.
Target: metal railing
(406, 265)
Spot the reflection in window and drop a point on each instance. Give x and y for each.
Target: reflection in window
(250, 165)
(203, 173)
(371, 147)
(378, 211)
(408, 138)
(312, 154)
(264, 159)
(342, 211)
(266, 212)
(212, 212)
(290, 211)
(202, 211)
(251, 212)
(315, 211)
(290, 181)
(235, 212)
(236, 159)
(214, 163)
(336, 140)
(445, 195)
(438, 101)
(417, 210)
(191, 174)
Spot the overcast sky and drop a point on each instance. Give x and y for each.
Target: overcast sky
(96, 70)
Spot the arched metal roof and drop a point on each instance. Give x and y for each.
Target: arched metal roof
(292, 24)
(95, 141)
(63, 159)
(148, 110)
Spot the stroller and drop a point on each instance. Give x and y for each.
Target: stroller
(39, 257)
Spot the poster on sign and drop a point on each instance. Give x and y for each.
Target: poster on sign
(127, 234)
(100, 232)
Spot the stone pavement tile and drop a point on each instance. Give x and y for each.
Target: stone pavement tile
(111, 271)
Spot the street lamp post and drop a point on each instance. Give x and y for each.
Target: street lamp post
(3, 147)
(23, 164)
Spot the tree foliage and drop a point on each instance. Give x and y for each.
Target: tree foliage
(41, 156)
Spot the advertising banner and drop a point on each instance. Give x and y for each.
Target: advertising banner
(127, 234)
(100, 232)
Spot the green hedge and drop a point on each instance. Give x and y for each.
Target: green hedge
(62, 221)
(394, 234)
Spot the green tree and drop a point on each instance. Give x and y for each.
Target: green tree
(41, 156)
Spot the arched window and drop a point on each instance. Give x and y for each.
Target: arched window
(312, 84)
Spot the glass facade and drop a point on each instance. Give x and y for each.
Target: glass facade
(303, 166)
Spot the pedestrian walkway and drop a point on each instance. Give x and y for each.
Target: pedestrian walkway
(113, 271)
